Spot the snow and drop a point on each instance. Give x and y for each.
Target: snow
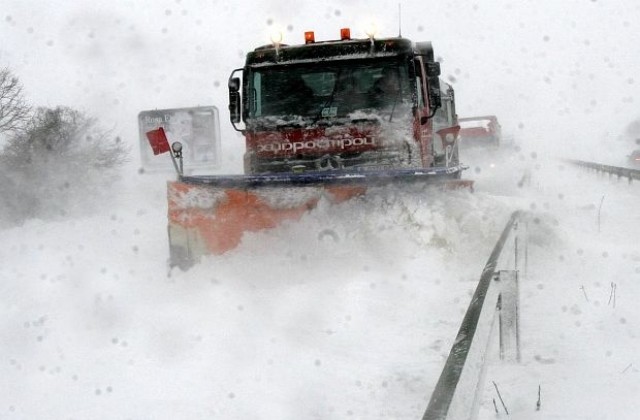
(351, 312)
(578, 302)
(100, 321)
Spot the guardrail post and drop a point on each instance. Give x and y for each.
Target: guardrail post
(521, 247)
(509, 316)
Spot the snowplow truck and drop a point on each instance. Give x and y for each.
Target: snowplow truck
(321, 120)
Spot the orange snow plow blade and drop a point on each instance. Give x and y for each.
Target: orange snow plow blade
(209, 215)
(205, 222)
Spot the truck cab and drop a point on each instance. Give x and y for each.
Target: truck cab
(348, 104)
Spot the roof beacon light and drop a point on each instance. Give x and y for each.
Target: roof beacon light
(371, 30)
(309, 37)
(276, 38)
(345, 34)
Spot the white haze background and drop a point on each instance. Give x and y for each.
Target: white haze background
(351, 312)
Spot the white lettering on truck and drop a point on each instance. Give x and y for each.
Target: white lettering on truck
(318, 144)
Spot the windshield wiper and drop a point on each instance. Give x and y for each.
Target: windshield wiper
(290, 124)
(329, 101)
(395, 101)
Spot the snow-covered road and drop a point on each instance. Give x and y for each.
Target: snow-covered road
(349, 313)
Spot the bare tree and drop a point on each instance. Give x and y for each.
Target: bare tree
(61, 162)
(66, 137)
(14, 110)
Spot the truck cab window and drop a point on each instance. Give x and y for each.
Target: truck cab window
(335, 90)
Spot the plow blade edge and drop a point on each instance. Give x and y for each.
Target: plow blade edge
(209, 214)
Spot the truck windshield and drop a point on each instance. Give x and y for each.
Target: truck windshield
(335, 90)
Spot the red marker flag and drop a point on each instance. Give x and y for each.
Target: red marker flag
(158, 141)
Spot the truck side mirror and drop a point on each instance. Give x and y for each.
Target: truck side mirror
(435, 98)
(234, 84)
(433, 69)
(235, 110)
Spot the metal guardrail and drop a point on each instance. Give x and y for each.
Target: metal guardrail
(619, 171)
(459, 388)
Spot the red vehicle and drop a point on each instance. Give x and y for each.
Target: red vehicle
(634, 158)
(484, 131)
(320, 119)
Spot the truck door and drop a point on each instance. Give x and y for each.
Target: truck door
(423, 126)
